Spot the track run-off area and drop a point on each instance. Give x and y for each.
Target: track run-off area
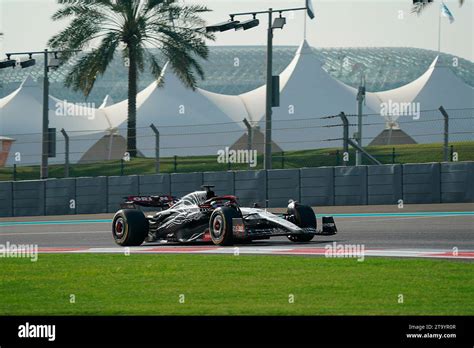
(426, 231)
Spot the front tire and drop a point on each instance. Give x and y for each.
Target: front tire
(303, 216)
(220, 225)
(129, 227)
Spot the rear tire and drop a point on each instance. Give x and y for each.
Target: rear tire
(129, 227)
(303, 217)
(220, 225)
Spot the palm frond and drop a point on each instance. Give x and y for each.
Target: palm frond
(168, 25)
(420, 6)
(93, 64)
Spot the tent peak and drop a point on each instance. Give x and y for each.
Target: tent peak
(29, 82)
(304, 48)
(435, 63)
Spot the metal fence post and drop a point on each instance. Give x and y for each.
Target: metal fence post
(283, 160)
(446, 133)
(175, 163)
(66, 153)
(345, 123)
(249, 138)
(14, 172)
(360, 100)
(393, 155)
(157, 147)
(121, 166)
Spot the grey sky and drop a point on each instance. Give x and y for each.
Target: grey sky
(27, 24)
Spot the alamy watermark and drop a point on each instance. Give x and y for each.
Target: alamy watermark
(392, 108)
(228, 155)
(28, 330)
(336, 250)
(63, 108)
(10, 250)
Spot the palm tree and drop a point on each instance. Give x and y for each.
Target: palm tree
(420, 5)
(131, 26)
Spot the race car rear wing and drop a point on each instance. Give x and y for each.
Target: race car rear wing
(162, 201)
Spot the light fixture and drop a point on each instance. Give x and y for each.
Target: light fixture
(27, 63)
(279, 23)
(9, 63)
(251, 23)
(310, 9)
(54, 62)
(224, 26)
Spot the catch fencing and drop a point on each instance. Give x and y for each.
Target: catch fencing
(302, 142)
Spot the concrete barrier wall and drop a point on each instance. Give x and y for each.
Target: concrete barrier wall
(183, 183)
(91, 195)
(317, 186)
(283, 184)
(154, 184)
(457, 182)
(118, 188)
(384, 184)
(325, 186)
(350, 185)
(223, 181)
(250, 187)
(421, 183)
(6, 199)
(29, 198)
(60, 195)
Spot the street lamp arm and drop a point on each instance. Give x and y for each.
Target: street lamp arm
(39, 52)
(267, 11)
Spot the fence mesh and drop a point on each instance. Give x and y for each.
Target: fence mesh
(299, 142)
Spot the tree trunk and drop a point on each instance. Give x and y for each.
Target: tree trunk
(132, 103)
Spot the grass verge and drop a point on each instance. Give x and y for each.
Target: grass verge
(231, 285)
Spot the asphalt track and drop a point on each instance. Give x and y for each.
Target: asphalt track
(436, 230)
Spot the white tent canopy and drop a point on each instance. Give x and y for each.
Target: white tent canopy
(21, 115)
(307, 93)
(189, 123)
(438, 86)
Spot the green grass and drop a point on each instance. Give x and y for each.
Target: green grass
(233, 285)
(420, 153)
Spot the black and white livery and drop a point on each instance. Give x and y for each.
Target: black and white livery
(203, 216)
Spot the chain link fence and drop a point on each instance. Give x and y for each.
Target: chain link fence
(297, 143)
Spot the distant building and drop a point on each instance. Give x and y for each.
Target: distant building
(5, 145)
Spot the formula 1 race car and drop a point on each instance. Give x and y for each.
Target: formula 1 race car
(203, 216)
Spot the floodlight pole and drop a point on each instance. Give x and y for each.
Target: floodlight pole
(45, 142)
(268, 100)
(45, 122)
(269, 87)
